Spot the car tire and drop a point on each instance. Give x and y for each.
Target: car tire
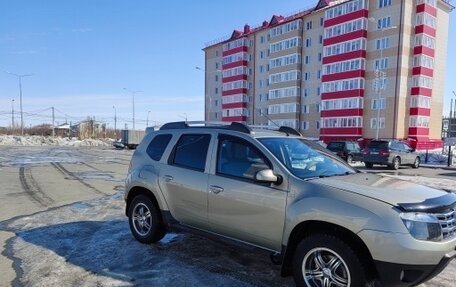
(145, 220)
(321, 258)
(350, 159)
(369, 164)
(417, 162)
(396, 163)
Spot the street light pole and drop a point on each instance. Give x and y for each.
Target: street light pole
(115, 121)
(12, 115)
(147, 121)
(133, 99)
(20, 96)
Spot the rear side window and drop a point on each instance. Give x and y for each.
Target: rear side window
(157, 146)
(335, 146)
(191, 151)
(378, 144)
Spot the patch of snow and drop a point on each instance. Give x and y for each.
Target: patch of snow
(53, 141)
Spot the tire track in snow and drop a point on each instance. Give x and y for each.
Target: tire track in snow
(32, 189)
(71, 176)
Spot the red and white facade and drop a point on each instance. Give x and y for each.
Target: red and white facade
(234, 77)
(423, 70)
(344, 69)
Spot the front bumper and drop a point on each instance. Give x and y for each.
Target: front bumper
(398, 275)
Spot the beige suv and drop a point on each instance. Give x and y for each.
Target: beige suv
(326, 223)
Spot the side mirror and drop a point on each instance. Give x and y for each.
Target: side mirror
(267, 175)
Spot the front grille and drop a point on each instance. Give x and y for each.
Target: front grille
(448, 223)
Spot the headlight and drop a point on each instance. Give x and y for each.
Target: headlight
(423, 226)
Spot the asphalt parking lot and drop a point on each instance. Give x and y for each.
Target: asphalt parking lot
(62, 223)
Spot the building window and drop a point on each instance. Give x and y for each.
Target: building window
(308, 42)
(378, 104)
(384, 3)
(307, 59)
(318, 91)
(305, 109)
(309, 25)
(216, 103)
(285, 44)
(305, 125)
(373, 123)
(285, 60)
(321, 39)
(261, 54)
(305, 92)
(285, 28)
(381, 64)
(383, 43)
(262, 39)
(216, 78)
(319, 57)
(284, 77)
(216, 90)
(306, 76)
(317, 107)
(261, 69)
(317, 124)
(322, 20)
(384, 23)
(216, 65)
(319, 74)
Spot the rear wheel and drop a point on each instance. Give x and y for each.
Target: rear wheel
(417, 162)
(369, 164)
(324, 260)
(396, 163)
(145, 220)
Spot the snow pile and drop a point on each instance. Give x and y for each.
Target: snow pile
(53, 141)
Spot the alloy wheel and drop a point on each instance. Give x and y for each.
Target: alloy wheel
(322, 267)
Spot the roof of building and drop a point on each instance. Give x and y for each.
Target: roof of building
(275, 21)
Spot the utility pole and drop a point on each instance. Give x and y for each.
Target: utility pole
(20, 96)
(12, 115)
(53, 122)
(133, 98)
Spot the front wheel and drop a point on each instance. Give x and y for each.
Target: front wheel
(416, 163)
(324, 260)
(145, 220)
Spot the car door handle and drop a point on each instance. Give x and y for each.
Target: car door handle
(168, 178)
(215, 189)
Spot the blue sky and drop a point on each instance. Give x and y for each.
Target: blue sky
(84, 52)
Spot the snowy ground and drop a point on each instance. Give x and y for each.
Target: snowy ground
(52, 141)
(88, 243)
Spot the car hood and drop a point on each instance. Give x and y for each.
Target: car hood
(385, 188)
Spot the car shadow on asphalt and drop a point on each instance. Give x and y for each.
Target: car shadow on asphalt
(107, 249)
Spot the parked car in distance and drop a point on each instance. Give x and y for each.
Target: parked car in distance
(348, 150)
(324, 222)
(393, 153)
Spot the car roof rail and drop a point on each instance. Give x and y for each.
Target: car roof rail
(235, 126)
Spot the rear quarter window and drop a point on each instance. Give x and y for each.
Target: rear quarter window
(157, 146)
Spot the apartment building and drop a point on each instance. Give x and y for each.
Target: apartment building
(358, 69)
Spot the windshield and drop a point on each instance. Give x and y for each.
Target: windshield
(335, 146)
(305, 159)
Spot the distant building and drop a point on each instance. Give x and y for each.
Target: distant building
(328, 70)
